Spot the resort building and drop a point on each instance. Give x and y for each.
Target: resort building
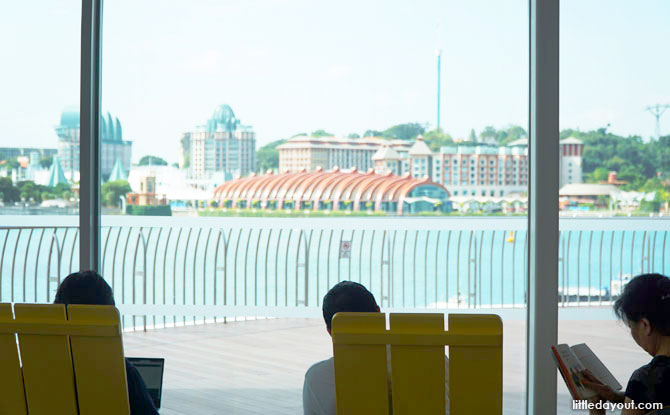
(113, 146)
(479, 170)
(309, 153)
(334, 190)
(221, 145)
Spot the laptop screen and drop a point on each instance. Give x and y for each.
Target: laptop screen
(151, 370)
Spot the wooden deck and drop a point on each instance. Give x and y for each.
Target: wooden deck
(257, 366)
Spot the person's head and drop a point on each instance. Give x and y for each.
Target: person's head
(644, 306)
(347, 296)
(86, 287)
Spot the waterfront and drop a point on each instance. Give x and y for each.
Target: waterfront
(408, 263)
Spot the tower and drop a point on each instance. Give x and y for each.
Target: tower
(438, 52)
(657, 111)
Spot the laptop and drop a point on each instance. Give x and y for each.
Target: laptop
(151, 370)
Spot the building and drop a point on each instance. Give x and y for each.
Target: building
(7, 153)
(587, 195)
(113, 146)
(310, 153)
(572, 151)
(476, 170)
(334, 190)
(222, 145)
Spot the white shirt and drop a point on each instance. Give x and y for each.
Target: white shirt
(318, 391)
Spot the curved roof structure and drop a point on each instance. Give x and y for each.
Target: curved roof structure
(320, 186)
(110, 127)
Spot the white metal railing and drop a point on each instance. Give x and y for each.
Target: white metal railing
(180, 270)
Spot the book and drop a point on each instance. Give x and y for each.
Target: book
(572, 361)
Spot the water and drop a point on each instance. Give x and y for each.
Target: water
(406, 262)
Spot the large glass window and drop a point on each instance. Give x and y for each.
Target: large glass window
(614, 170)
(270, 144)
(39, 147)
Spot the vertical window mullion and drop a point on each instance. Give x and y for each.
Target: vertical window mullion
(89, 170)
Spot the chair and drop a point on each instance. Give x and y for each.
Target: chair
(417, 344)
(71, 360)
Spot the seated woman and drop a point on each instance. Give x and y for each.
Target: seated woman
(645, 308)
(88, 287)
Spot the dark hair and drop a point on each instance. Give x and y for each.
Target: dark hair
(347, 296)
(86, 287)
(646, 296)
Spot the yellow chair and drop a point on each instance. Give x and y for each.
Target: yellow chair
(71, 360)
(417, 381)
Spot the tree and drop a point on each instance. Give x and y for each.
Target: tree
(111, 192)
(152, 161)
(46, 161)
(600, 174)
(372, 133)
(10, 164)
(473, 136)
(29, 191)
(321, 133)
(437, 139)
(267, 157)
(407, 131)
(353, 135)
(9, 192)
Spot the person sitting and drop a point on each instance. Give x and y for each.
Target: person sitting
(88, 287)
(644, 306)
(318, 392)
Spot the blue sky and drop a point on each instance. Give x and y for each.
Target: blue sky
(290, 66)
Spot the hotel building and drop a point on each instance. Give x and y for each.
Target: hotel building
(222, 145)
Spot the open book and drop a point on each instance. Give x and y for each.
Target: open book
(571, 361)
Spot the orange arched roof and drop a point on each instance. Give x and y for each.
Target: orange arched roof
(320, 186)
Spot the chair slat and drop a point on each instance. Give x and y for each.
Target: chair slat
(361, 370)
(11, 378)
(418, 372)
(475, 372)
(99, 364)
(47, 364)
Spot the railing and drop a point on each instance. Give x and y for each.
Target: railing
(172, 271)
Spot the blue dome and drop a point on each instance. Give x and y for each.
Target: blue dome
(110, 128)
(223, 120)
(70, 117)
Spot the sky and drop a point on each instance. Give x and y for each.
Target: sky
(295, 66)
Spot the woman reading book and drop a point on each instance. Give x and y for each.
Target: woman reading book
(644, 307)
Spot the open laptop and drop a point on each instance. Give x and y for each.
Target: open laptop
(151, 370)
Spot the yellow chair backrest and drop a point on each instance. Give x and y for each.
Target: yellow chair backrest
(417, 343)
(71, 360)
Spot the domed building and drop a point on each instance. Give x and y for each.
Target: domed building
(334, 190)
(113, 146)
(221, 146)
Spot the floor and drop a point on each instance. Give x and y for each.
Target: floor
(257, 366)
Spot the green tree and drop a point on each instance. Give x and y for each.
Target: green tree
(10, 193)
(437, 139)
(267, 157)
(111, 192)
(372, 133)
(353, 135)
(473, 136)
(321, 133)
(10, 164)
(152, 161)
(30, 192)
(46, 161)
(598, 175)
(407, 131)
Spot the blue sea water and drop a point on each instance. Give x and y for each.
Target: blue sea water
(406, 262)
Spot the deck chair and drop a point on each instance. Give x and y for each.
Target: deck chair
(61, 361)
(417, 343)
